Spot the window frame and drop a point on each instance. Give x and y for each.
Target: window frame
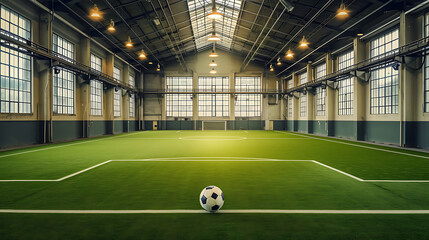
(62, 72)
(240, 98)
(346, 88)
(179, 98)
(211, 109)
(20, 56)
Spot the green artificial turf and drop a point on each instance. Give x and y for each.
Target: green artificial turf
(139, 185)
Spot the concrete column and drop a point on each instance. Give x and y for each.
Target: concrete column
(83, 56)
(45, 79)
(310, 100)
(330, 97)
(109, 95)
(232, 97)
(408, 84)
(360, 96)
(139, 99)
(126, 99)
(195, 96)
(295, 115)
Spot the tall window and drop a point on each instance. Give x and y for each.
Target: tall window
(213, 105)
(117, 102)
(117, 73)
(320, 70)
(15, 74)
(248, 105)
(302, 105)
(290, 84)
(346, 86)
(96, 88)
(303, 78)
(132, 106)
(320, 101)
(179, 105)
(290, 107)
(64, 81)
(384, 81)
(132, 81)
(426, 75)
(320, 92)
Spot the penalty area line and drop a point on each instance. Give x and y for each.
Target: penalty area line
(231, 211)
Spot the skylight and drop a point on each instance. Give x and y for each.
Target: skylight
(202, 26)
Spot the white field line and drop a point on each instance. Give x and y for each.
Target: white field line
(336, 170)
(356, 145)
(216, 159)
(66, 145)
(231, 211)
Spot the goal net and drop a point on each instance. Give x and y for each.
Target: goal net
(214, 125)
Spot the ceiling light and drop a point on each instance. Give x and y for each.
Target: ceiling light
(94, 12)
(142, 54)
(111, 26)
(213, 71)
(278, 62)
(214, 14)
(271, 68)
(289, 54)
(342, 12)
(303, 43)
(213, 54)
(213, 37)
(359, 34)
(156, 21)
(150, 63)
(158, 68)
(213, 64)
(129, 43)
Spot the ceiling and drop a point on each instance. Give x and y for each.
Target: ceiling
(258, 30)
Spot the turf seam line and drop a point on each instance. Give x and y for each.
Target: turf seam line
(219, 159)
(230, 211)
(356, 145)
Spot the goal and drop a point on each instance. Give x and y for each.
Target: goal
(214, 125)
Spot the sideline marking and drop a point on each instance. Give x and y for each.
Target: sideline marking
(230, 211)
(218, 159)
(67, 145)
(356, 145)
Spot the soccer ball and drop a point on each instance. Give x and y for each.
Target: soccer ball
(211, 198)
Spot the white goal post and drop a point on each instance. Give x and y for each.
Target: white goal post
(214, 125)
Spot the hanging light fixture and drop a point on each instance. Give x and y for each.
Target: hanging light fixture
(94, 12)
(303, 43)
(150, 63)
(214, 14)
(271, 68)
(129, 43)
(213, 64)
(289, 54)
(142, 54)
(213, 54)
(342, 12)
(213, 37)
(278, 62)
(213, 71)
(158, 68)
(111, 27)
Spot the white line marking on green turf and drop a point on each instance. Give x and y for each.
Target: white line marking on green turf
(356, 145)
(67, 145)
(230, 211)
(334, 169)
(215, 139)
(217, 159)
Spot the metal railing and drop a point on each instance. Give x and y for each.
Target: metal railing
(33, 49)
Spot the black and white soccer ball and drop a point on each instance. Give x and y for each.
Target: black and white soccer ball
(211, 198)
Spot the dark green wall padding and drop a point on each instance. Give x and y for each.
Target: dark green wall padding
(197, 125)
(22, 133)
